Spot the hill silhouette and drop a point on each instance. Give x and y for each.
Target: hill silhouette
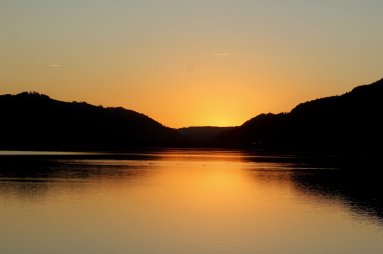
(349, 122)
(32, 121)
(352, 121)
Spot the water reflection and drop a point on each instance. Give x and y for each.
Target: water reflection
(32, 176)
(29, 175)
(184, 201)
(355, 182)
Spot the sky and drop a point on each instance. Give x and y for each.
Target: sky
(190, 63)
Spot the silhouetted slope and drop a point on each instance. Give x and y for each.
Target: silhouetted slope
(34, 121)
(350, 121)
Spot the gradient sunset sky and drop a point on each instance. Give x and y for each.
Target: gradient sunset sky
(195, 62)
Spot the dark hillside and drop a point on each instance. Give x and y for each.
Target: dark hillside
(350, 121)
(35, 121)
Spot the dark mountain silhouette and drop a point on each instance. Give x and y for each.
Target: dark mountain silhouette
(352, 121)
(36, 122)
(199, 136)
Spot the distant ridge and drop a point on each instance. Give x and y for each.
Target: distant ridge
(34, 121)
(352, 121)
(200, 135)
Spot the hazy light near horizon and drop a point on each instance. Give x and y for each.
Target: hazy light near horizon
(211, 62)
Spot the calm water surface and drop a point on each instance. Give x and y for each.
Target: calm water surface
(184, 201)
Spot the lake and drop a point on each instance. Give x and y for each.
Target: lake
(187, 201)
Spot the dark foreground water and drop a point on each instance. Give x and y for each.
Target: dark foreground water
(184, 201)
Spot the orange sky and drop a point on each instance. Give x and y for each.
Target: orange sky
(189, 63)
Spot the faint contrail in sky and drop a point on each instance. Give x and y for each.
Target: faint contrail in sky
(222, 51)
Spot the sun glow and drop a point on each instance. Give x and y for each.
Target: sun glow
(184, 65)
